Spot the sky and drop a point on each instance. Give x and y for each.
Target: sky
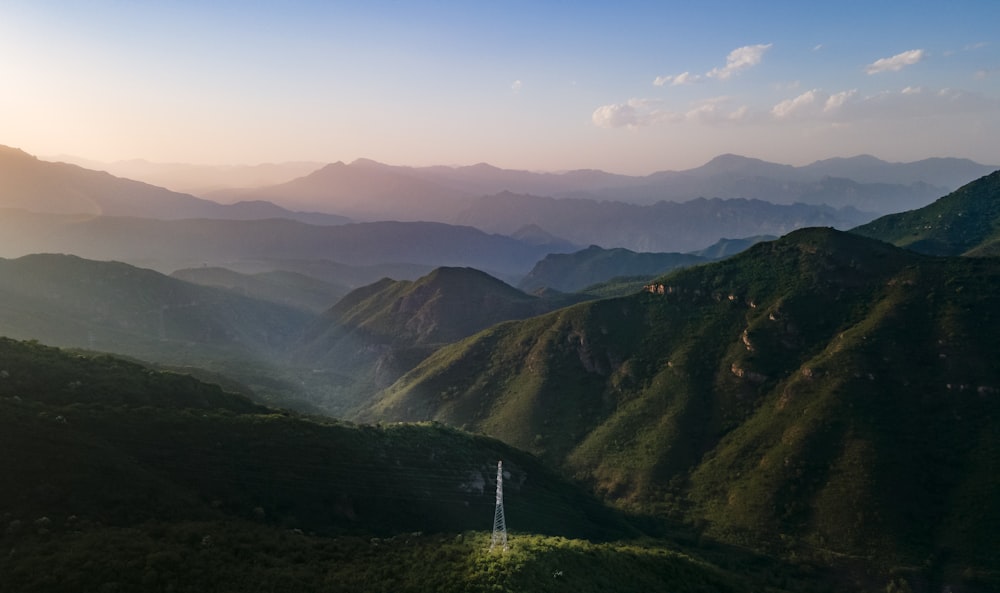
(626, 87)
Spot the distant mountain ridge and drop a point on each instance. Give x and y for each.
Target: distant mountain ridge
(167, 245)
(361, 191)
(729, 196)
(570, 272)
(369, 190)
(197, 179)
(293, 289)
(660, 227)
(68, 301)
(29, 183)
(942, 172)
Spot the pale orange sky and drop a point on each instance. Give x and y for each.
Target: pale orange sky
(629, 87)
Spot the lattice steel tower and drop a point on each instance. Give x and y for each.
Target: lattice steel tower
(499, 523)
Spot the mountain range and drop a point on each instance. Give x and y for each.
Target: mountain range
(294, 289)
(368, 190)
(266, 331)
(121, 477)
(572, 272)
(197, 179)
(817, 412)
(731, 196)
(824, 387)
(35, 185)
(716, 178)
(584, 270)
(68, 301)
(168, 245)
(378, 332)
(660, 227)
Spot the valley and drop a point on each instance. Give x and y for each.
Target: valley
(499, 297)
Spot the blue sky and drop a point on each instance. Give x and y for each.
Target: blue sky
(630, 87)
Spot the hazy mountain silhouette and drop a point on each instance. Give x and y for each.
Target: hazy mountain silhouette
(880, 187)
(949, 173)
(661, 227)
(114, 307)
(369, 190)
(198, 179)
(284, 287)
(59, 188)
(363, 190)
(171, 244)
(331, 272)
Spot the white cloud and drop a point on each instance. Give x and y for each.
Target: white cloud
(516, 86)
(837, 100)
(639, 113)
(618, 115)
(716, 110)
(635, 113)
(815, 105)
(740, 58)
(790, 107)
(896, 62)
(678, 79)
(850, 106)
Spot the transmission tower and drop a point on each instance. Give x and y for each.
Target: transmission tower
(499, 523)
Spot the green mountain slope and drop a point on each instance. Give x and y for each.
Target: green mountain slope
(292, 289)
(964, 222)
(113, 307)
(823, 387)
(122, 478)
(570, 272)
(210, 451)
(378, 332)
(724, 248)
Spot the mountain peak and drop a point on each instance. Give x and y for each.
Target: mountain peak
(10, 151)
(536, 235)
(860, 160)
(365, 162)
(729, 163)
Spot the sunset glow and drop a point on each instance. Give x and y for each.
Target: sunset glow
(628, 87)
